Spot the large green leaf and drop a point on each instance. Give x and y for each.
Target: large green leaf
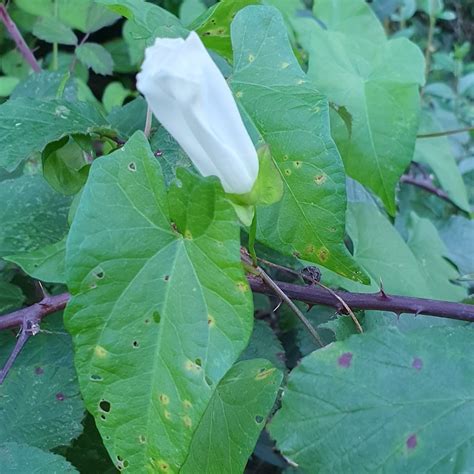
(377, 80)
(28, 125)
(293, 118)
(403, 268)
(45, 263)
(32, 214)
(214, 25)
(46, 85)
(236, 414)
(18, 458)
(382, 402)
(436, 152)
(40, 401)
(161, 308)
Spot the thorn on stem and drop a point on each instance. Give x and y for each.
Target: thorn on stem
(382, 293)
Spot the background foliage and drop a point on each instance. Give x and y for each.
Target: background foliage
(164, 360)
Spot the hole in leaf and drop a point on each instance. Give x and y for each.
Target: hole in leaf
(259, 419)
(102, 417)
(135, 344)
(156, 317)
(132, 166)
(99, 274)
(96, 378)
(105, 406)
(166, 277)
(208, 381)
(142, 439)
(60, 397)
(198, 362)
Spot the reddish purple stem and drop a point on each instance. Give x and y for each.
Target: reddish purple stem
(29, 318)
(18, 39)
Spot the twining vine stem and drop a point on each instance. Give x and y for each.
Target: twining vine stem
(16, 36)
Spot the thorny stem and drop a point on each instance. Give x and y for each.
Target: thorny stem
(445, 132)
(309, 294)
(16, 36)
(370, 301)
(29, 318)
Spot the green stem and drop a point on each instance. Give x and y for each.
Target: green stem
(429, 44)
(252, 238)
(55, 45)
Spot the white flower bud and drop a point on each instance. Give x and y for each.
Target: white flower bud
(189, 96)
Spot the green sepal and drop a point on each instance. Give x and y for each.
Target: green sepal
(268, 187)
(245, 213)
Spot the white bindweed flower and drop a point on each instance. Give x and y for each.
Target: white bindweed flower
(189, 96)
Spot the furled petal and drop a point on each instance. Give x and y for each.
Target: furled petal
(190, 97)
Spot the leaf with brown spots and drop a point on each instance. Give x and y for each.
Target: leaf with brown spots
(293, 119)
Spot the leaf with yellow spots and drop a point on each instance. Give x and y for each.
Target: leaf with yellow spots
(214, 25)
(293, 118)
(167, 315)
(234, 418)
